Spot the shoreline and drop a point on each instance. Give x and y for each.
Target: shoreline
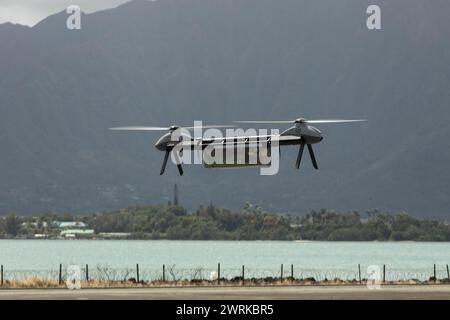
(226, 240)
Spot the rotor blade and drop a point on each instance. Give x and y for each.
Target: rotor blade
(313, 158)
(334, 121)
(264, 121)
(140, 129)
(180, 169)
(299, 157)
(209, 126)
(163, 168)
(167, 128)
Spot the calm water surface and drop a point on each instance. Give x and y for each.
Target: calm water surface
(44, 254)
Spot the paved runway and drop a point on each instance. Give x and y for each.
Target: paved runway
(223, 293)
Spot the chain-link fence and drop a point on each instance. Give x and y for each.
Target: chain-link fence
(173, 273)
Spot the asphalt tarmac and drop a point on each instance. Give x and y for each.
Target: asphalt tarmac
(223, 293)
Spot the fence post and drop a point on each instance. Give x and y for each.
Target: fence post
(384, 273)
(1, 276)
(292, 273)
(448, 273)
(434, 272)
(218, 273)
(60, 274)
(359, 273)
(281, 276)
(87, 272)
(243, 274)
(137, 272)
(164, 273)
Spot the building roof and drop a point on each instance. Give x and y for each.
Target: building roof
(70, 224)
(77, 231)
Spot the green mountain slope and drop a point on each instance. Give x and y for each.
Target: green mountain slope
(164, 62)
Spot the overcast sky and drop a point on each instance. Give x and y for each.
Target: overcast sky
(30, 12)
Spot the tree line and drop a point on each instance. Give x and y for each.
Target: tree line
(250, 223)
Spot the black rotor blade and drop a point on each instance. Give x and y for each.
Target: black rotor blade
(166, 157)
(299, 157)
(313, 158)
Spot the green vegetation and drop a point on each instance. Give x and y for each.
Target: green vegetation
(375, 226)
(212, 223)
(206, 223)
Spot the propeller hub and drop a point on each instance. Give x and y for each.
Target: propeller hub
(300, 120)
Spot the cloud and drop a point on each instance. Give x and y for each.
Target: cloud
(30, 12)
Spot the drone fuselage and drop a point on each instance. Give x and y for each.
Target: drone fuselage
(307, 133)
(168, 140)
(301, 133)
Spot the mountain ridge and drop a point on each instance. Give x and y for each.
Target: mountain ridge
(167, 62)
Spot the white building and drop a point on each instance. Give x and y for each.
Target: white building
(114, 235)
(70, 224)
(75, 233)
